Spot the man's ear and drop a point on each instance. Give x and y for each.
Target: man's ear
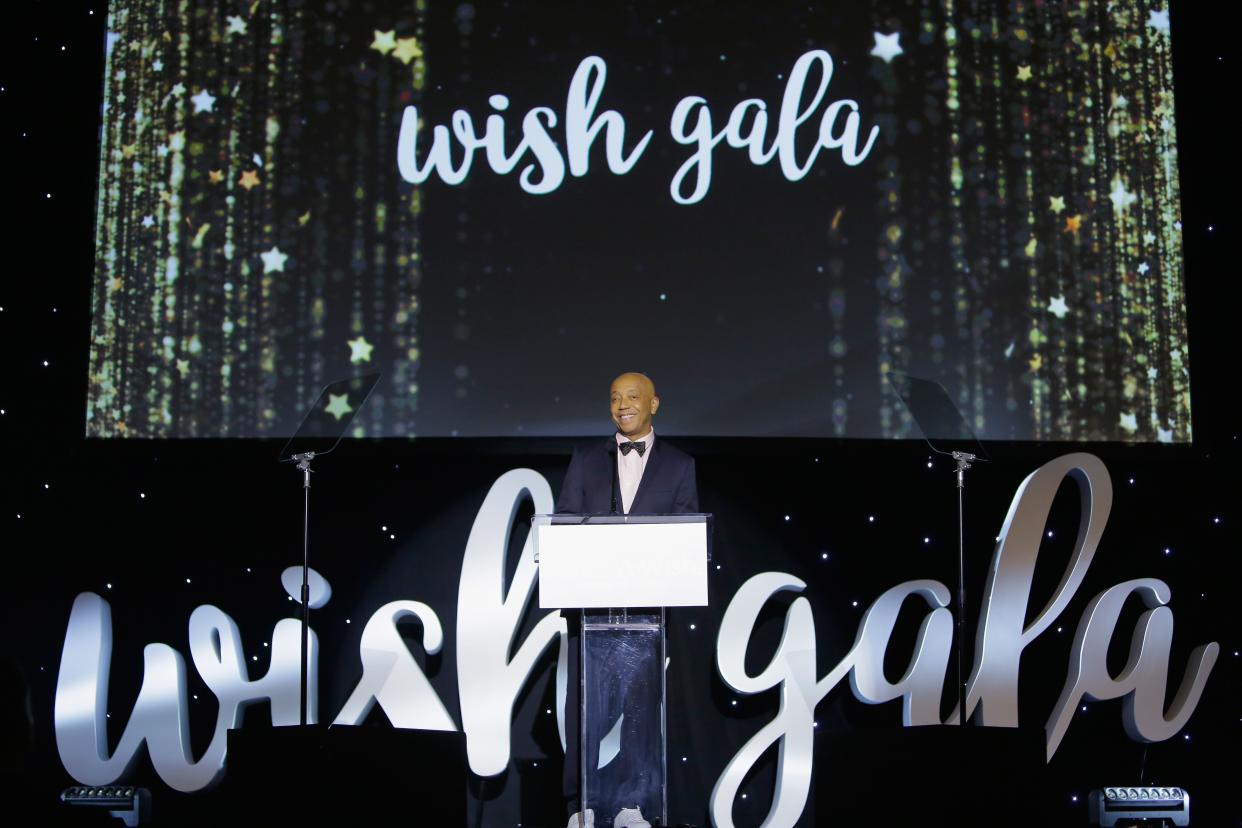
(655, 404)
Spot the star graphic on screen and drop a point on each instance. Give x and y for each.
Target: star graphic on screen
(1031, 247)
(1143, 268)
(236, 25)
(1129, 422)
(407, 49)
(1164, 435)
(215, 176)
(384, 42)
(203, 102)
(178, 89)
(1149, 237)
(886, 46)
(338, 405)
(249, 179)
(148, 221)
(1024, 73)
(1036, 362)
(128, 150)
(176, 140)
(183, 367)
(1057, 307)
(1073, 223)
(1056, 204)
(304, 218)
(359, 350)
(1120, 196)
(273, 260)
(157, 65)
(1159, 20)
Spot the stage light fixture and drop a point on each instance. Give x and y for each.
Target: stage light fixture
(127, 803)
(1145, 805)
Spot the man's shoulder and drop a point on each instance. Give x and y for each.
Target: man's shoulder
(672, 452)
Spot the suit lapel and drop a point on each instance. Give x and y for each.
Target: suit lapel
(649, 473)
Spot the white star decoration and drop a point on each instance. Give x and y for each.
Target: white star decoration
(1057, 307)
(359, 350)
(273, 260)
(1120, 196)
(148, 221)
(203, 102)
(338, 405)
(886, 46)
(1164, 435)
(1159, 20)
(236, 26)
(1129, 422)
(1143, 268)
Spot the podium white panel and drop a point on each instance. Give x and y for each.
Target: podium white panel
(622, 564)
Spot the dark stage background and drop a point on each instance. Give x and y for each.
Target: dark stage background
(145, 516)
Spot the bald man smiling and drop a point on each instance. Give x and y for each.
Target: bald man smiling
(630, 472)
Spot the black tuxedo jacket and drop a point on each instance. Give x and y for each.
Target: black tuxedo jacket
(668, 485)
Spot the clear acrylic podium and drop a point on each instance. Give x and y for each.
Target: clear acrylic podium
(622, 571)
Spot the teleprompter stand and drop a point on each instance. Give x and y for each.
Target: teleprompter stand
(321, 430)
(947, 433)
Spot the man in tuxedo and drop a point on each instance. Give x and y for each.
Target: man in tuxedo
(628, 473)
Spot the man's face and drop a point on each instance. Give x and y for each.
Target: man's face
(633, 404)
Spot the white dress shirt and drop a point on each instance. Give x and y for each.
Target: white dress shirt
(630, 468)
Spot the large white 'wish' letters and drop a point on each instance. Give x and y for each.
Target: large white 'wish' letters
(160, 716)
(489, 681)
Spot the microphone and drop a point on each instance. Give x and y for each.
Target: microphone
(612, 453)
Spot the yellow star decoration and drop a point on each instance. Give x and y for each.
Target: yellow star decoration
(384, 42)
(115, 284)
(1073, 223)
(304, 218)
(1056, 204)
(1031, 247)
(197, 242)
(128, 150)
(1036, 362)
(338, 405)
(183, 367)
(359, 350)
(215, 176)
(1024, 73)
(407, 49)
(249, 179)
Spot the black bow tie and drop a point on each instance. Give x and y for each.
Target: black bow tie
(639, 446)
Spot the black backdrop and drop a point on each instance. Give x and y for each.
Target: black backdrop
(75, 518)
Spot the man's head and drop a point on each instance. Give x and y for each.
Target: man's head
(633, 402)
